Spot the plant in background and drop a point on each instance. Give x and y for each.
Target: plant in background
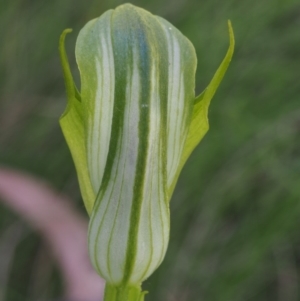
(130, 130)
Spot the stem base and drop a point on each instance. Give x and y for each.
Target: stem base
(123, 293)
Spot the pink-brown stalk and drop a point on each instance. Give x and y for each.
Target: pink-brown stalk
(62, 227)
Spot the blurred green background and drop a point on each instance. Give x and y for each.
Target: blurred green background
(236, 209)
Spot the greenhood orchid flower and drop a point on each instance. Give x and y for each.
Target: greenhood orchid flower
(130, 130)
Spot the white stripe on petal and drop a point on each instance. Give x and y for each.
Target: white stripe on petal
(109, 231)
(99, 126)
(176, 117)
(153, 226)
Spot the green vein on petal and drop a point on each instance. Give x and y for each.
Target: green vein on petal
(96, 66)
(182, 62)
(71, 123)
(199, 122)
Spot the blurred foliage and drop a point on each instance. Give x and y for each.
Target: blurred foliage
(235, 211)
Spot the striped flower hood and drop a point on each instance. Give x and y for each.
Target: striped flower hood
(130, 130)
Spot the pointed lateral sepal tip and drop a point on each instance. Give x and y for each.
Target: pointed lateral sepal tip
(199, 122)
(219, 74)
(72, 126)
(65, 64)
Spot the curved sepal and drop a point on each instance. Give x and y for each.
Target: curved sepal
(71, 123)
(199, 122)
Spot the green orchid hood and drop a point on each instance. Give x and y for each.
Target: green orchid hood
(130, 130)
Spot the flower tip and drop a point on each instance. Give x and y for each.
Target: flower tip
(64, 33)
(231, 35)
(63, 37)
(67, 30)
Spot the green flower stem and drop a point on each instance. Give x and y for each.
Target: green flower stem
(123, 293)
